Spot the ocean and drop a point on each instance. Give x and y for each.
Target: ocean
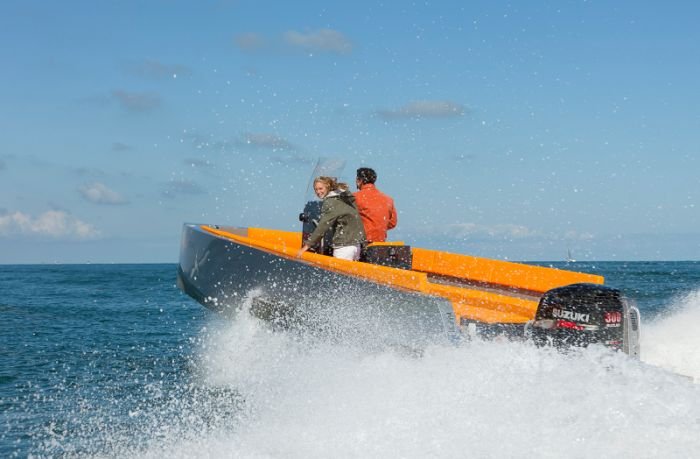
(114, 361)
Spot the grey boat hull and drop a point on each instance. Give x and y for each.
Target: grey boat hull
(233, 278)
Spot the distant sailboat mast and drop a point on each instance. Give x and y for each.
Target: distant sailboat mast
(569, 258)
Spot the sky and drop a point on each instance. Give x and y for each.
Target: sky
(507, 129)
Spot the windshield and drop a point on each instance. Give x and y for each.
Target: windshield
(329, 167)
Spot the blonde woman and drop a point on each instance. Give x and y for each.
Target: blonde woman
(338, 214)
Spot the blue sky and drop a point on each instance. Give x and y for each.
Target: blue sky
(514, 130)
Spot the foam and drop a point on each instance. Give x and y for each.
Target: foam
(307, 398)
(672, 341)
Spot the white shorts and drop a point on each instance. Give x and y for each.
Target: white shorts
(349, 252)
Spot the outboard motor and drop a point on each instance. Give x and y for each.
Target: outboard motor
(583, 314)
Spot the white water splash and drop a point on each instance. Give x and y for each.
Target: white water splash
(672, 342)
(482, 399)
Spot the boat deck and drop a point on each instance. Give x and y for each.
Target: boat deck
(484, 287)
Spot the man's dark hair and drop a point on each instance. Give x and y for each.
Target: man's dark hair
(366, 175)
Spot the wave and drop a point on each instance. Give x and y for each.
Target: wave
(313, 398)
(671, 341)
(255, 392)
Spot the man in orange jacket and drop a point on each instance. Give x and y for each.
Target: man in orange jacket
(376, 209)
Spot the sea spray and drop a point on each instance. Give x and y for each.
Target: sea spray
(672, 340)
(319, 399)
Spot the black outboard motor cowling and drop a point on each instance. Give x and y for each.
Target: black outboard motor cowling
(583, 314)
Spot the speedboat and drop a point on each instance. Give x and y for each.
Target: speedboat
(398, 295)
(402, 295)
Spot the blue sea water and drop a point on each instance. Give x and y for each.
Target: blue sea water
(113, 361)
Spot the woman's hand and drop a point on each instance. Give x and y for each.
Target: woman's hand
(302, 250)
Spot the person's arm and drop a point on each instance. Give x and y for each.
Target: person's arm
(393, 216)
(324, 224)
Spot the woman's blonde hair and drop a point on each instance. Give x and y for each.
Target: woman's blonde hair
(330, 182)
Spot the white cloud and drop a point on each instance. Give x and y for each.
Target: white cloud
(196, 162)
(491, 231)
(137, 101)
(263, 140)
(578, 236)
(316, 41)
(99, 194)
(119, 146)
(424, 109)
(158, 70)
(181, 187)
(323, 40)
(292, 160)
(250, 41)
(53, 223)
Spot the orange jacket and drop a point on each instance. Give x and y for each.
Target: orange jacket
(377, 211)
